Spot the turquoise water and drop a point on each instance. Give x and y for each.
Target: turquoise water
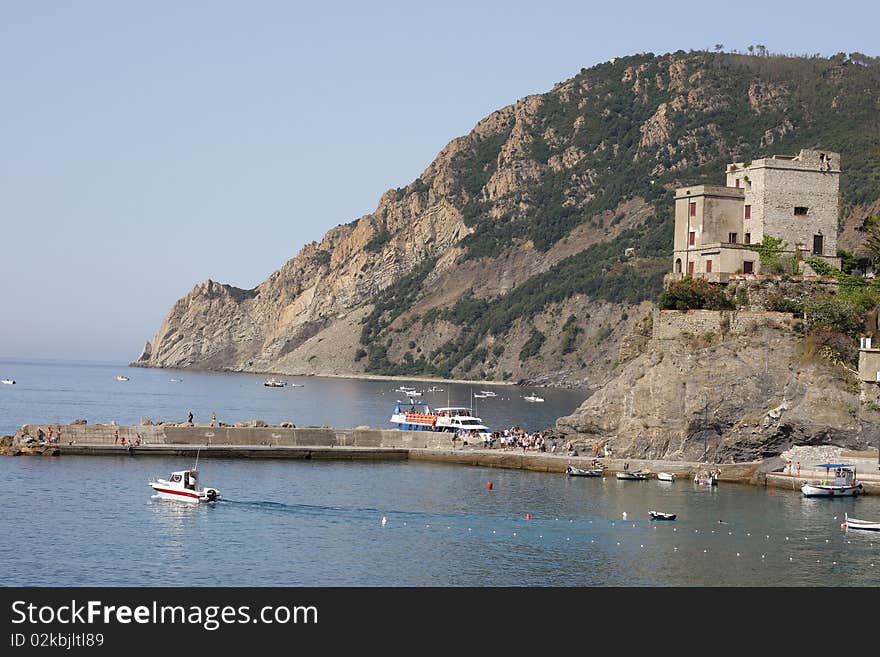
(77, 521)
(60, 392)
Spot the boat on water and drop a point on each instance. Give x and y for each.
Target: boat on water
(414, 416)
(660, 515)
(634, 475)
(488, 393)
(707, 478)
(176, 380)
(434, 389)
(533, 398)
(274, 383)
(8, 382)
(665, 476)
(183, 486)
(855, 523)
(840, 483)
(573, 471)
(122, 378)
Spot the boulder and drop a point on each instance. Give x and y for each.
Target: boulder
(146, 422)
(80, 421)
(288, 425)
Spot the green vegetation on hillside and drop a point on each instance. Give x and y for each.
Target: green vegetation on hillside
(635, 128)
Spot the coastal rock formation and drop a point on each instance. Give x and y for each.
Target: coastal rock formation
(528, 247)
(742, 398)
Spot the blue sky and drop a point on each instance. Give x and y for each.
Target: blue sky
(146, 147)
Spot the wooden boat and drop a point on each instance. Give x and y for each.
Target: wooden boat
(635, 475)
(854, 523)
(573, 471)
(665, 476)
(844, 482)
(659, 515)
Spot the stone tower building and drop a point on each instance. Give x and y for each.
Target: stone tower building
(792, 197)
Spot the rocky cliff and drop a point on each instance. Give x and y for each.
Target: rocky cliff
(527, 249)
(742, 398)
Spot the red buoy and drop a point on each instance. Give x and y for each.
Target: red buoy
(488, 485)
(771, 491)
(528, 516)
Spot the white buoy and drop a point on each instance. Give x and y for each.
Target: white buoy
(737, 554)
(384, 520)
(624, 515)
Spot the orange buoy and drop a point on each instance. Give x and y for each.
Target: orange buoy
(488, 485)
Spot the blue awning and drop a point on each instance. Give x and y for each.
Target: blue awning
(834, 465)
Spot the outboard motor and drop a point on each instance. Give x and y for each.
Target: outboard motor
(212, 494)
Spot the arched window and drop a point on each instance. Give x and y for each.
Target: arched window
(678, 265)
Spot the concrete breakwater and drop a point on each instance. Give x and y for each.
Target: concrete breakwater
(363, 444)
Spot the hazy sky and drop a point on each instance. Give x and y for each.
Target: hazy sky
(148, 146)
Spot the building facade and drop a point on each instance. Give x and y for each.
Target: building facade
(794, 198)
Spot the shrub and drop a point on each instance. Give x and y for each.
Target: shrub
(694, 294)
(533, 345)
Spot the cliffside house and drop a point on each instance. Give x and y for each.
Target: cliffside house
(793, 197)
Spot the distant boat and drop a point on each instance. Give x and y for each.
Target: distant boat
(274, 383)
(533, 398)
(434, 389)
(573, 471)
(659, 515)
(176, 380)
(853, 523)
(635, 475)
(487, 393)
(479, 396)
(706, 478)
(122, 378)
(297, 385)
(9, 382)
(843, 483)
(665, 476)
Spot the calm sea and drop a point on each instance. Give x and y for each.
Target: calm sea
(78, 521)
(52, 391)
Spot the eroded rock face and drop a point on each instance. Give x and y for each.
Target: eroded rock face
(590, 161)
(744, 398)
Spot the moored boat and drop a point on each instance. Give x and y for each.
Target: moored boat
(533, 398)
(573, 471)
(660, 515)
(665, 476)
(855, 523)
(122, 378)
(707, 478)
(184, 487)
(843, 484)
(414, 416)
(8, 382)
(274, 383)
(634, 475)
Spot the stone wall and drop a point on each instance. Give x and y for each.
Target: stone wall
(103, 434)
(671, 324)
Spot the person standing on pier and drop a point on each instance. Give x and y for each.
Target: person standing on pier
(213, 418)
(189, 418)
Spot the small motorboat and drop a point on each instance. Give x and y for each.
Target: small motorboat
(844, 482)
(184, 486)
(665, 476)
(488, 393)
(176, 380)
(434, 389)
(659, 515)
(8, 382)
(533, 398)
(635, 475)
(707, 478)
(122, 378)
(854, 523)
(274, 383)
(573, 471)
